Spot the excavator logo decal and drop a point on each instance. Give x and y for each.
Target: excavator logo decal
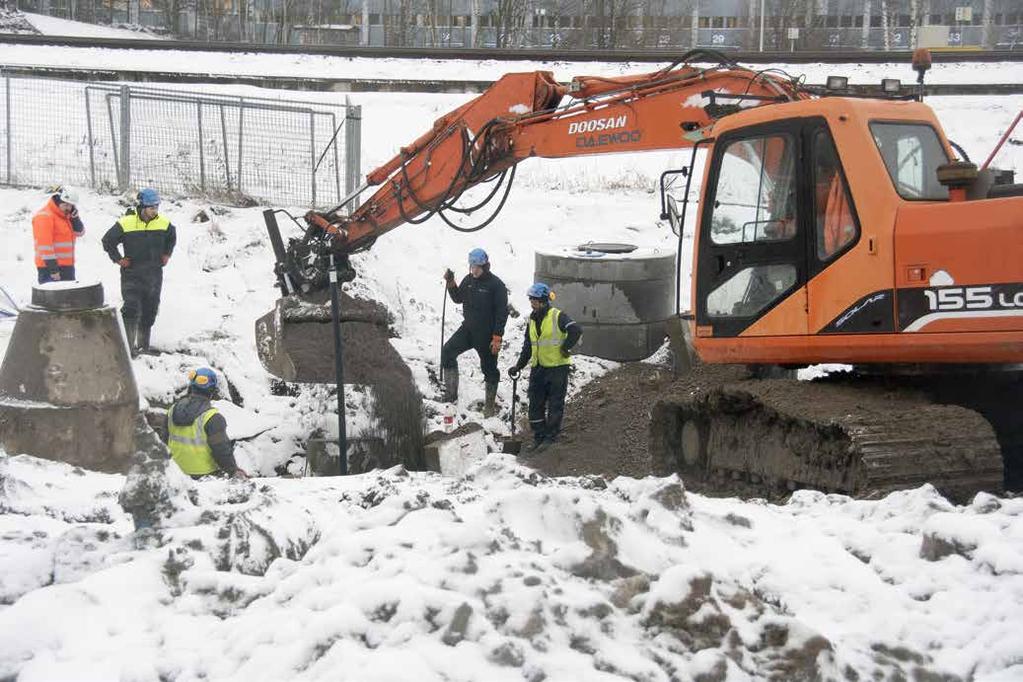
(597, 124)
(584, 140)
(919, 307)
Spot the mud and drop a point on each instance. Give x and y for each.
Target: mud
(368, 357)
(847, 433)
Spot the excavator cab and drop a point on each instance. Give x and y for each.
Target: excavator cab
(825, 234)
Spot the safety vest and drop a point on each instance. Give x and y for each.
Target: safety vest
(547, 341)
(188, 444)
(54, 236)
(133, 223)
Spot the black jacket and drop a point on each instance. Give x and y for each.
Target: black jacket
(143, 247)
(186, 410)
(565, 324)
(484, 305)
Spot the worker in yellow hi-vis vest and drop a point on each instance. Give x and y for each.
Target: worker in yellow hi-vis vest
(197, 432)
(147, 238)
(550, 336)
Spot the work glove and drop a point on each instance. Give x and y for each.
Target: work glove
(124, 262)
(449, 277)
(565, 352)
(55, 275)
(164, 258)
(513, 372)
(495, 344)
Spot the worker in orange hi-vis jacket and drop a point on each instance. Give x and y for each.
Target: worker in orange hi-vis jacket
(55, 227)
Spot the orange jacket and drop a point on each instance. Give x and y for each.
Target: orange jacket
(54, 236)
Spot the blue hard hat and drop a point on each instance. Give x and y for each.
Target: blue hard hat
(539, 290)
(148, 197)
(478, 257)
(203, 379)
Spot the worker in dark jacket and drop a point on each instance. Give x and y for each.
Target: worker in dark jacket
(197, 432)
(550, 337)
(484, 300)
(147, 239)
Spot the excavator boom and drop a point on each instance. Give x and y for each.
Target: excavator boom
(523, 115)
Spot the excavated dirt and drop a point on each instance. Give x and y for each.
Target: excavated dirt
(368, 357)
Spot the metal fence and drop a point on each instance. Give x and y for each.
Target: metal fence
(233, 149)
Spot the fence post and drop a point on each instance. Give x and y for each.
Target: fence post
(241, 128)
(337, 164)
(353, 151)
(88, 125)
(202, 157)
(125, 179)
(227, 157)
(7, 109)
(312, 155)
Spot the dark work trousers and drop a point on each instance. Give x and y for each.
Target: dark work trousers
(462, 341)
(67, 273)
(547, 388)
(140, 289)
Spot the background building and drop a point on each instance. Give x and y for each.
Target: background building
(666, 24)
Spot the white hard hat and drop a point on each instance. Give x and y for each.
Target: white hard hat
(64, 193)
(69, 194)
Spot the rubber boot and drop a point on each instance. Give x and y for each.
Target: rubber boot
(142, 339)
(450, 385)
(131, 330)
(490, 401)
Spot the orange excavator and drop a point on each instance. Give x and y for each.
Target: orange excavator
(832, 228)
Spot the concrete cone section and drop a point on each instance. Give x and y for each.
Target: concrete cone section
(67, 390)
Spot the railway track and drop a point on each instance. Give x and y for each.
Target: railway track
(475, 54)
(93, 75)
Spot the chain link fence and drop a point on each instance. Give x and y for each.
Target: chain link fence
(231, 149)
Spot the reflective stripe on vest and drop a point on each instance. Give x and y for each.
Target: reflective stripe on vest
(188, 445)
(547, 342)
(133, 223)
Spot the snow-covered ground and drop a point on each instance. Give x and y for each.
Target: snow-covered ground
(55, 26)
(499, 574)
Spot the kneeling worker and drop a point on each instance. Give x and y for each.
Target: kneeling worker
(550, 336)
(197, 432)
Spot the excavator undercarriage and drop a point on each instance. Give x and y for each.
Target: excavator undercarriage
(849, 433)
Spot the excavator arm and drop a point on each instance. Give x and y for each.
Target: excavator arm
(520, 116)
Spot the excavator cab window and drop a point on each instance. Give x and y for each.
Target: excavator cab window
(756, 191)
(912, 153)
(835, 223)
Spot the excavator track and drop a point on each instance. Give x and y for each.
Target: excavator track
(862, 438)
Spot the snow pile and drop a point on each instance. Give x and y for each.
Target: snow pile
(55, 26)
(14, 21)
(502, 574)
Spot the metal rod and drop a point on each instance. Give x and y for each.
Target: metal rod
(358, 190)
(993, 151)
(339, 373)
(443, 314)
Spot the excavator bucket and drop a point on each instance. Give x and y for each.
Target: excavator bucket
(295, 340)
